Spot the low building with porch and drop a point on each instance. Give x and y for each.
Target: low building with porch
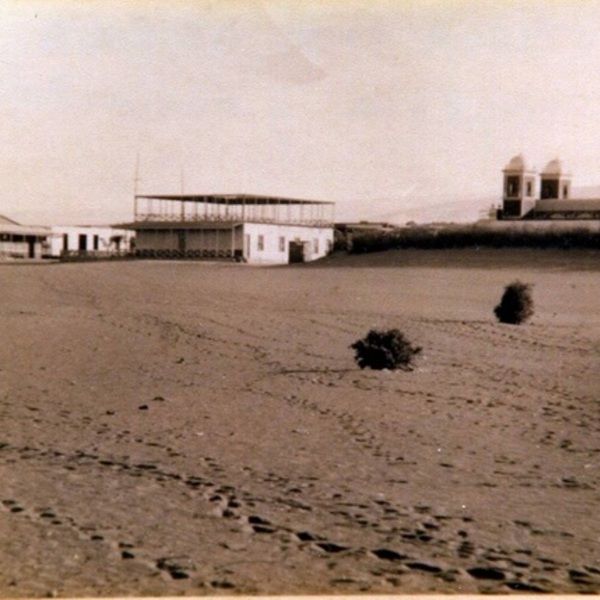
(243, 227)
(21, 241)
(87, 241)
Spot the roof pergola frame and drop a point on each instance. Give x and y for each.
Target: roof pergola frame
(184, 208)
(231, 199)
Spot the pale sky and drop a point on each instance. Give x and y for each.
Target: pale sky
(396, 110)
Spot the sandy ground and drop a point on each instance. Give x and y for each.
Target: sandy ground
(189, 428)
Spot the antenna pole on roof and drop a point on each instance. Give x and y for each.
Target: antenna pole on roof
(182, 192)
(136, 179)
(136, 176)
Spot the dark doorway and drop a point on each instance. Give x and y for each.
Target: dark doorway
(82, 242)
(181, 245)
(296, 252)
(31, 246)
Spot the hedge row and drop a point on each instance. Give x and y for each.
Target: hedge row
(469, 236)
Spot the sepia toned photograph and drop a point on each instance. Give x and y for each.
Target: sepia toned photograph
(299, 298)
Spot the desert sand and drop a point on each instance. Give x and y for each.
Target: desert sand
(188, 428)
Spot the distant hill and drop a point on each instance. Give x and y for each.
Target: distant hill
(402, 210)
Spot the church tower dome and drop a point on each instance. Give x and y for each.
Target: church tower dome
(519, 188)
(555, 184)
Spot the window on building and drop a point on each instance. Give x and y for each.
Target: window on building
(261, 242)
(281, 243)
(316, 245)
(550, 189)
(529, 189)
(513, 183)
(566, 191)
(96, 242)
(65, 241)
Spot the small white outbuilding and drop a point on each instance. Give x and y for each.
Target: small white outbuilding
(87, 240)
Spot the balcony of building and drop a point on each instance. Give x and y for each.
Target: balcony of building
(240, 208)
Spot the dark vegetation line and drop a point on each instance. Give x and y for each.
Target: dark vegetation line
(469, 236)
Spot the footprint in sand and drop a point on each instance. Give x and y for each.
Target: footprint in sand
(12, 505)
(331, 548)
(260, 525)
(425, 567)
(178, 567)
(488, 573)
(386, 554)
(466, 549)
(305, 536)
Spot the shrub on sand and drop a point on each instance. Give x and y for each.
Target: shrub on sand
(516, 305)
(384, 350)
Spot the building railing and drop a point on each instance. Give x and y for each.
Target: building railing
(205, 253)
(82, 255)
(170, 218)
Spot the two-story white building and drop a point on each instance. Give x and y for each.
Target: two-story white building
(253, 229)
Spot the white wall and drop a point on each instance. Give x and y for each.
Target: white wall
(196, 240)
(11, 249)
(104, 234)
(262, 243)
(210, 239)
(156, 239)
(319, 242)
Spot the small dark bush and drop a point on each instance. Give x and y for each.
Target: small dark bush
(516, 305)
(384, 350)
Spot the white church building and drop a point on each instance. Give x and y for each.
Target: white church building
(528, 194)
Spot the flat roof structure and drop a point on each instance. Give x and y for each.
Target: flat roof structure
(227, 208)
(8, 226)
(231, 199)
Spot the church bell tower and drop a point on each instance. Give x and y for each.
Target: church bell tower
(519, 188)
(555, 185)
